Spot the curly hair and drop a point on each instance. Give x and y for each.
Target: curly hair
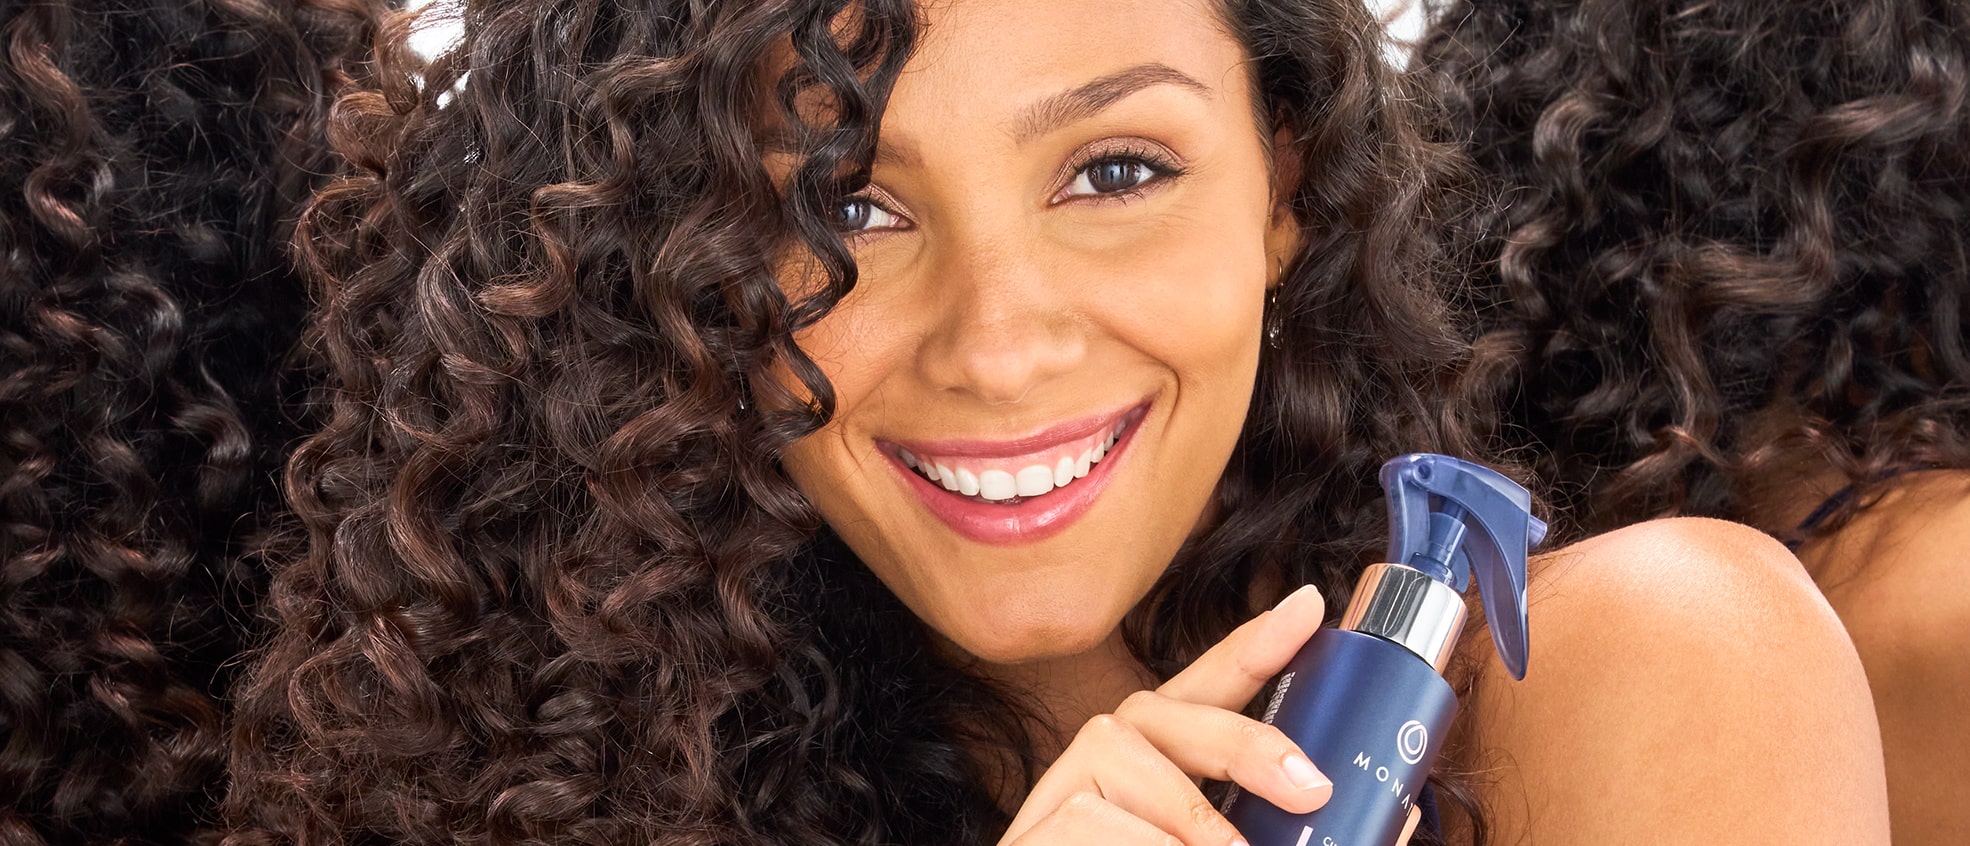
(557, 587)
(153, 157)
(1737, 233)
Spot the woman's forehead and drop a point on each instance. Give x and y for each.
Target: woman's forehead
(1018, 67)
(1021, 67)
(985, 51)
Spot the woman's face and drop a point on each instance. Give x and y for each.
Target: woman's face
(1064, 257)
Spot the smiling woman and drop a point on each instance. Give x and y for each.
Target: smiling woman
(1054, 334)
(872, 423)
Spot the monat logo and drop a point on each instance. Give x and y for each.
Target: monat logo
(1411, 740)
(1382, 774)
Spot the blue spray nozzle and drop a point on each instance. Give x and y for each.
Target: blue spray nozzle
(1450, 519)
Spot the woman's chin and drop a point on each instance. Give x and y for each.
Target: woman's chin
(1012, 640)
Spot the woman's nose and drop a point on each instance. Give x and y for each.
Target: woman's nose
(1006, 322)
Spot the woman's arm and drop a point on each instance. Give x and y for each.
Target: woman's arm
(1688, 684)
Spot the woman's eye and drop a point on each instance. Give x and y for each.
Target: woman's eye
(861, 214)
(1110, 176)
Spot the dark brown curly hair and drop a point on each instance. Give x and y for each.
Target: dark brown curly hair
(557, 587)
(153, 157)
(1734, 233)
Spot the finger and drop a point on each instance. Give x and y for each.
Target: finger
(1227, 746)
(1086, 819)
(1111, 759)
(1238, 667)
(1409, 828)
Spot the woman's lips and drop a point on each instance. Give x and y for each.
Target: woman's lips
(1021, 491)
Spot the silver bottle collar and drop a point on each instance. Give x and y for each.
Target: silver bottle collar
(1406, 607)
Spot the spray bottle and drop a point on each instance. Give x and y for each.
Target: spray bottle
(1367, 701)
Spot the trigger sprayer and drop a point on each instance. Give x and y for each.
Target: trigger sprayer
(1367, 701)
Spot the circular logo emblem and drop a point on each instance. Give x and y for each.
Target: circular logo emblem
(1411, 740)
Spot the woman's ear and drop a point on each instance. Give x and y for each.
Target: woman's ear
(1283, 231)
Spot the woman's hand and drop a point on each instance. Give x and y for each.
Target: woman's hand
(1131, 776)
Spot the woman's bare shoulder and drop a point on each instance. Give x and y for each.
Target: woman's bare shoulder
(1688, 683)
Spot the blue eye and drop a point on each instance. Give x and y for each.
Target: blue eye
(1113, 175)
(861, 214)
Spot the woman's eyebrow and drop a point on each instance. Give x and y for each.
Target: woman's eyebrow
(1083, 102)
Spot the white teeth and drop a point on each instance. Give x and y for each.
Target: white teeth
(995, 485)
(1034, 480)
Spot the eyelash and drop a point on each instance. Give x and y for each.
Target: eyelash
(1162, 168)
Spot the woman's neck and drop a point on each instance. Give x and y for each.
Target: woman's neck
(1063, 693)
(1068, 690)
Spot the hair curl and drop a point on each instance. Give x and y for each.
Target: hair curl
(1737, 233)
(557, 587)
(153, 156)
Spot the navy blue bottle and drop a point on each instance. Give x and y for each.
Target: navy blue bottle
(1367, 701)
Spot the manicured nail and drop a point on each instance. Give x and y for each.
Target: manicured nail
(1239, 841)
(1301, 772)
(1304, 591)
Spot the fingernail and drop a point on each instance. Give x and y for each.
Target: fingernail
(1304, 591)
(1239, 841)
(1301, 772)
